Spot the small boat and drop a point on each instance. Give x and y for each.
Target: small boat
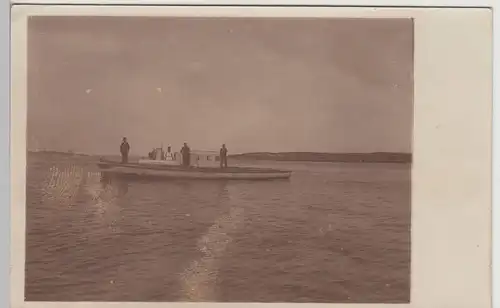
(168, 171)
(203, 165)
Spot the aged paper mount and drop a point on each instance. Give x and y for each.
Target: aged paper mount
(451, 171)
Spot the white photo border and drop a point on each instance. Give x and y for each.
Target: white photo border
(451, 176)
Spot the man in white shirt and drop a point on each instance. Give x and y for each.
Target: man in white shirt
(169, 155)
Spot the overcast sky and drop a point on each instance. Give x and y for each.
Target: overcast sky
(324, 85)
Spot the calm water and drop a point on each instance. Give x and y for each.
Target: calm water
(332, 233)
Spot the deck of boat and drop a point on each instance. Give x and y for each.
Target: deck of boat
(106, 164)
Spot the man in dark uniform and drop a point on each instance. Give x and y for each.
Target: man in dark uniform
(186, 155)
(223, 156)
(124, 149)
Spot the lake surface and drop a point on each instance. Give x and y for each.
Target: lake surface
(334, 232)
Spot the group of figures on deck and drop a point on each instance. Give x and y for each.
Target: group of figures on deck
(168, 156)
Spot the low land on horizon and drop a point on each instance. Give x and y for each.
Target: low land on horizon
(376, 157)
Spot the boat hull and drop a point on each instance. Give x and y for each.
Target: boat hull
(151, 162)
(175, 172)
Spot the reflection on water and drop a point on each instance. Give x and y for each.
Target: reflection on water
(333, 233)
(119, 184)
(106, 197)
(200, 278)
(61, 186)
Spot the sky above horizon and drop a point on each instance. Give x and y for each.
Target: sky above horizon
(314, 85)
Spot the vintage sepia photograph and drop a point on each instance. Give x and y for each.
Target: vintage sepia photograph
(218, 159)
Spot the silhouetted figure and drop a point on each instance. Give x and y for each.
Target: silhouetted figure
(223, 156)
(186, 155)
(124, 149)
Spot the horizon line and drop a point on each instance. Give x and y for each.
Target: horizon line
(242, 153)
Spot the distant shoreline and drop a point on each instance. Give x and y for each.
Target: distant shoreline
(51, 152)
(376, 157)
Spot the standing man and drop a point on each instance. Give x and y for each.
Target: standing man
(124, 149)
(223, 156)
(186, 155)
(169, 155)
